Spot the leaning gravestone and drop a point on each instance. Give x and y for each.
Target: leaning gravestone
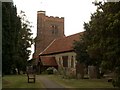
(92, 72)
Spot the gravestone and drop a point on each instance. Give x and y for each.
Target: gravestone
(92, 72)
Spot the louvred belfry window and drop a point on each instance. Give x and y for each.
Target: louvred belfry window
(54, 29)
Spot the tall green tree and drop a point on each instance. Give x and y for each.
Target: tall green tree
(102, 38)
(80, 48)
(16, 39)
(24, 41)
(9, 20)
(102, 34)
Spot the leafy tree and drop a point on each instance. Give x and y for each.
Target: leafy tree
(16, 39)
(9, 20)
(101, 38)
(25, 41)
(80, 48)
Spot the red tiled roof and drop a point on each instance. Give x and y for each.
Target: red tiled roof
(62, 44)
(48, 61)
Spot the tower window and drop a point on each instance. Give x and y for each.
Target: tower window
(54, 29)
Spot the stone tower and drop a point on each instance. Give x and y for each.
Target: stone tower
(48, 29)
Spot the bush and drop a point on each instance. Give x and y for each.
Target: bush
(50, 70)
(116, 82)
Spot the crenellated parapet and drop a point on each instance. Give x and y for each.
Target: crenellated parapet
(60, 19)
(50, 18)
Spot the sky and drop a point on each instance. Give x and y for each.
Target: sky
(75, 12)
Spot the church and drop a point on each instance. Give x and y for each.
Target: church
(52, 47)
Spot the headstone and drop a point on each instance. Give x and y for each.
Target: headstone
(92, 72)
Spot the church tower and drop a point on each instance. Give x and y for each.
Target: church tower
(48, 29)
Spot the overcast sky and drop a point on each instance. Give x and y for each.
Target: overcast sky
(75, 12)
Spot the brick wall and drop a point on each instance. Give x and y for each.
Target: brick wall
(48, 29)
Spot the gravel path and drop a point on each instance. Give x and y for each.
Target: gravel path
(47, 82)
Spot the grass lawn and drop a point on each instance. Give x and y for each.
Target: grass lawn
(0, 82)
(18, 81)
(81, 83)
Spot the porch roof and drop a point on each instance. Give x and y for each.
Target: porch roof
(48, 61)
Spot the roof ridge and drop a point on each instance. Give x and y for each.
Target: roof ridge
(47, 46)
(69, 35)
(75, 34)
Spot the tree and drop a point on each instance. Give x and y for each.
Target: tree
(9, 20)
(24, 41)
(80, 49)
(101, 38)
(16, 39)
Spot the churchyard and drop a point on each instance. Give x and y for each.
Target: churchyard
(20, 81)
